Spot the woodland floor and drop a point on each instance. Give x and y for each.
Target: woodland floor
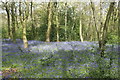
(73, 59)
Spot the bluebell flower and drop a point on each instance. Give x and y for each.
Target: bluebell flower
(87, 77)
(4, 60)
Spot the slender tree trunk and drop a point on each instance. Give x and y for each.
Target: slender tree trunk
(93, 9)
(119, 36)
(8, 20)
(20, 11)
(80, 30)
(13, 21)
(33, 27)
(102, 40)
(73, 26)
(57, 29)
(101, 22)
(66, 21)
(119, 20)
(57, 22)
(91, 31)
(49, 22)
(105, 28)
(16, 17)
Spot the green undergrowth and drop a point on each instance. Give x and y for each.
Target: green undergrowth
(66, 64)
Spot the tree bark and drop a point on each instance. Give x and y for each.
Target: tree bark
(13, 21)
(23, 21)
(93, 9)
(73, 36)
(49, 22)
(8, 20)
(119, 36)
(57, 22)
(25, 41)
(105, 28)
(32, 25)
(102, 35)
(24, 34)
(16, 17)
(80, 30)
(66, 21)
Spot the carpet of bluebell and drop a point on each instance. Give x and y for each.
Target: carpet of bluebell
(73, 59)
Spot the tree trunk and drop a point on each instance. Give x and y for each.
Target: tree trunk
(93, 9)
(25, 42)
(119, 36)
(16, 17)
(119, 23)
(13, 21)
(8, 20)
(23, 21)
(24, 25)
(73, 26)
(80, 31)
(66, 21)
(102, 35)
(57, 22)
(49, 22)
(33, 27)
(105, 28)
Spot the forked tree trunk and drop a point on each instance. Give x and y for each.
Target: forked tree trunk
(105, 28)
(102, 36)
(23, 21)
